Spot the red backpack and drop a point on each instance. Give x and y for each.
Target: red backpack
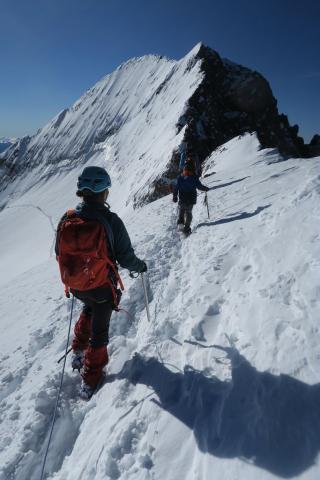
(84, 260)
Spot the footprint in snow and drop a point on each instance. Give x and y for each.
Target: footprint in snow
(36, 430)
(40, 339)
(129, 451)
(11, 381)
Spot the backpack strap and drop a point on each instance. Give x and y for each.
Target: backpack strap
(57, 242)
(115, 271)
(109, 233)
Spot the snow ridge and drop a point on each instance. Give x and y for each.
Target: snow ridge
(115, 124)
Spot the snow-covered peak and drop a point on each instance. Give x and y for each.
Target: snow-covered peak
(126, 122)
(143, 59)
(194, 51)
(140, 114)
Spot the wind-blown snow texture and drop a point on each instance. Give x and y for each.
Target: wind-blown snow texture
(224, 381)
(128, 120)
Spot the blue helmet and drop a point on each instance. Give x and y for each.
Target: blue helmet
(95, 179)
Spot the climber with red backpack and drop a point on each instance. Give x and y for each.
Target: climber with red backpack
(91, 240)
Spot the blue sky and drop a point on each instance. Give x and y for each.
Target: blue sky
(52, 51)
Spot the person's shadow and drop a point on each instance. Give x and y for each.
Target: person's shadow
(270, 421)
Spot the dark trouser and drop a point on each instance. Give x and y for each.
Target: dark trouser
(97, 306)
(91, 332)
(185, 214)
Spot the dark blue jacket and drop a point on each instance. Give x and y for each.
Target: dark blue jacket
(118, 239)
(186, 187)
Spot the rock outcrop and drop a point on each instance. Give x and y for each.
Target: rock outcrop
(233, 100)
(313, 149)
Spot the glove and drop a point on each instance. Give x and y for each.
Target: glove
(175, 199)
(143, 267)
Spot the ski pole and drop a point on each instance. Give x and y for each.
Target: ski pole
(206, 202)
(145, 295)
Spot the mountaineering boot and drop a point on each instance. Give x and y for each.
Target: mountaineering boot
(77, 359)
(187, 230)
(86, 391)
(92, 372)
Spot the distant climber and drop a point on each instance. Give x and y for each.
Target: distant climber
(186, 189)
(90, 241)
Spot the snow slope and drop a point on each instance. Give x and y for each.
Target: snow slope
(127, 120)
(224, 381)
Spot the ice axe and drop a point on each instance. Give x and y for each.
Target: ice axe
(207, 204)
(146, 301)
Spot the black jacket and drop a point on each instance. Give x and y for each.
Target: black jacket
(117, 236)
(186, 187)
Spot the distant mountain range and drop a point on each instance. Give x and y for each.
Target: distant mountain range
(6, 142)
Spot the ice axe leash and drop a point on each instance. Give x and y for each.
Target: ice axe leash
(58, 394)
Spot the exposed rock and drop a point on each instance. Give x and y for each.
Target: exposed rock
(233, 100)
(250, 93)
(313, 149)
(315, 141)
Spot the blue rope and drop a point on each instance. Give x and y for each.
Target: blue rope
(58, 395)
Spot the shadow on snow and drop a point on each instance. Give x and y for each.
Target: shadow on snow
(240, 216)
(222, 185)
(270, 421)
